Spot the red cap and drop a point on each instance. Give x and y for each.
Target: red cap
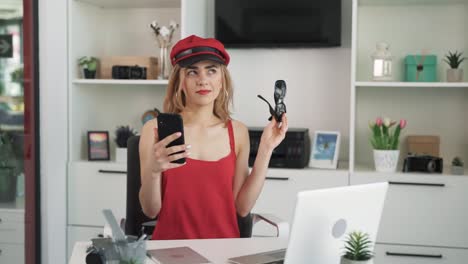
(193, 49)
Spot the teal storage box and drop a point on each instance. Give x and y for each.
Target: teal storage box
(421, 68)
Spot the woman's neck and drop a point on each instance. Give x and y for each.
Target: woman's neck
(201, 116)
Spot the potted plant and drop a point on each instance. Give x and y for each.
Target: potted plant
(358, 249)
(17, 75)
(10, 166)
(457, 166)
(385, 143)
(122, 134)
(454, 74)
(89, 66)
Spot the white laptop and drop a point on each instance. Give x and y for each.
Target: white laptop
(322, 220)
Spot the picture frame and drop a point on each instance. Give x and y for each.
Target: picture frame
(98, 145)
(325, 150)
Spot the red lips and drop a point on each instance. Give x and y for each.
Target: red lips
(203, 92)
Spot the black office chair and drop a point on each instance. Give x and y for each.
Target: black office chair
(137, 223)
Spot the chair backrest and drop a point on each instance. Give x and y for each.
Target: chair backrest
(135, 218)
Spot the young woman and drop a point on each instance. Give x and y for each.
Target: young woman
(200, 199)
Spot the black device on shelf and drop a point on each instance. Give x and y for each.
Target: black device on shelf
(293, 152)
(128, 72)
(423, 163)
(278, 23)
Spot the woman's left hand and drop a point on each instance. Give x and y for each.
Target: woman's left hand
(274, 133)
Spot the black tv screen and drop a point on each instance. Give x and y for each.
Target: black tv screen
(280, 23)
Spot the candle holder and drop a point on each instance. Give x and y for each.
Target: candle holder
(382, 63)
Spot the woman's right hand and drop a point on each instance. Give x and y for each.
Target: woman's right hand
(161, 155)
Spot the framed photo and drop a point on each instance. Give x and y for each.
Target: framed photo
(98, 145)
(325, 150)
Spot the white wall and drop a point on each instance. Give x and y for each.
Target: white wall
(53, 128)
(317, 79)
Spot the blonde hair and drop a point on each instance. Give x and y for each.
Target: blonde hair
(175, 100)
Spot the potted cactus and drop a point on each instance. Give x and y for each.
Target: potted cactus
(358, 249)
(457, 166)
(89, 66)
(122, 134)
(454, 74)
(10, 166)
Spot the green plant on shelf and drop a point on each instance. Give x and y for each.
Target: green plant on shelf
(457, 161)
(454, 59)
(17, 75)
(122, 134)
(89, 63)
(358, 246)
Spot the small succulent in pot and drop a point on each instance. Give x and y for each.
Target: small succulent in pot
(89, 65)
(454, 59)
(455, 73)
(122, 134)
(457, 161)
(358, 248)
(457, 166)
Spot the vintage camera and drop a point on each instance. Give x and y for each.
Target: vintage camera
(128, 72)
(423, 163)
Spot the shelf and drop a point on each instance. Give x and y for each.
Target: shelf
(409, 2)
(360, 168)
(16, 206)
(413, 84)
(120, 82)
(284, 172)
(133, 3)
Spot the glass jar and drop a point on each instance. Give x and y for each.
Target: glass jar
(382, 63)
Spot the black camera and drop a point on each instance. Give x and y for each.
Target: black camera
(423, 163)
(128, 72)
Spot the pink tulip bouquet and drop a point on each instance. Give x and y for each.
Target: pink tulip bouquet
(383, 136)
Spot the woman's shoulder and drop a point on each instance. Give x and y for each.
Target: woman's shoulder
(241, 132)
(238, 125)
(150, 124)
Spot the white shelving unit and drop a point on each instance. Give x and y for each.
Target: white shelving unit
(107, 28)
(113, 28)
(431, 108)
(412, 84)
(423, 212)
(123, 82)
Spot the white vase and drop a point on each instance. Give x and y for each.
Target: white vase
(458, 170)
(348, 261)
(121, 155)
(454, 75)
(386, 160)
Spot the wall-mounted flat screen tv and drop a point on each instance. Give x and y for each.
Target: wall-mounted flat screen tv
(278, 23)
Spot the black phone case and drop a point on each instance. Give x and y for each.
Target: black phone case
(169, 124)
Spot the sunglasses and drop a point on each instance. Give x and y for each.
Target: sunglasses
(280, 107)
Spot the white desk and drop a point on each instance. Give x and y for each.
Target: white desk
(216, 250)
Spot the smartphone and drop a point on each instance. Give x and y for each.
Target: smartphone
(169, 124)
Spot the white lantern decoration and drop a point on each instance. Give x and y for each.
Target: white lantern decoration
(382, 63)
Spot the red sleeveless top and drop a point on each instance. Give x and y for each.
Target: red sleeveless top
(197, 199)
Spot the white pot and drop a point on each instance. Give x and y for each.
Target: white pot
(386, 160)
(121, 155)
(458, 170)
(454, 75)
(347, 261)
